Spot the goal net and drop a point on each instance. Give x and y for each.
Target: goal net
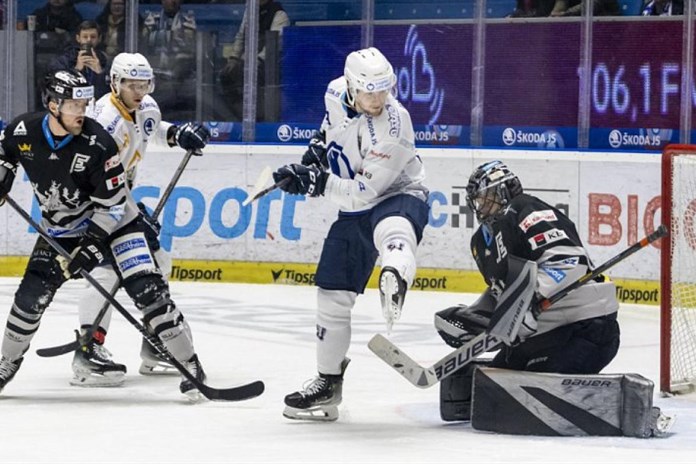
(678, 270)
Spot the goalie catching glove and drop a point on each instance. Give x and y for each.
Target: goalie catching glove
(458, 325)
(302, 180)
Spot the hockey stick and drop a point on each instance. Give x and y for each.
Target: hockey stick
(82, 339)
(425, 377)
(265, 191)
(239, 393)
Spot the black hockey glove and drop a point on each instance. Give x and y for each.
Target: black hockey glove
(316, 152)
(303, 180)
(192, 136)
(152, 227)
(458, 325)
(85, 257)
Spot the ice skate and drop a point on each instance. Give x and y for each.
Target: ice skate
(661, 423)
(392, 292)
(187, 387)
(8, 369)
(154, 363)
(93, 367)
(319, 398)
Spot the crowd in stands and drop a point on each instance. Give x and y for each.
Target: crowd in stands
(88, 34)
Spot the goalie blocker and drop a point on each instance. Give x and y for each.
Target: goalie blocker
(530, 403)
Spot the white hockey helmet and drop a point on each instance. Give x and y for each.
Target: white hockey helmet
(367, 70)
(131, 66)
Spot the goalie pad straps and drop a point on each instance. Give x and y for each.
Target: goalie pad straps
(515, 301)
(530, 403)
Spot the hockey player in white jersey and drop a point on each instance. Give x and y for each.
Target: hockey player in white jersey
(132, 117)
(364, 160)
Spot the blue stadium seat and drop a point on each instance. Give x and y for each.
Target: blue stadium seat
(631, 7)
(499, 8)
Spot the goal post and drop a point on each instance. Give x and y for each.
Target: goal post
(678, 270)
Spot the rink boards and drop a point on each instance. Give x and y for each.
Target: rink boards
(613, 198)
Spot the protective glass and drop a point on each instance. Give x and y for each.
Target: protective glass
(74, 107)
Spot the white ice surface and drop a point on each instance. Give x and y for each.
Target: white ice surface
(248, 332)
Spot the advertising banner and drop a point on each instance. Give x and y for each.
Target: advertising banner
(613, 199)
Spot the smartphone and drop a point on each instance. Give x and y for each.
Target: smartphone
(86, 48)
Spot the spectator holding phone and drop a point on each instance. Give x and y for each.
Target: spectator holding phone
(84, 56)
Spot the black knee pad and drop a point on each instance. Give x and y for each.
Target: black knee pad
(146, 289)
(37, 289)
(455, 392)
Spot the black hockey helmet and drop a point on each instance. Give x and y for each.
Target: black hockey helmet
(491, 187)
(66, 84)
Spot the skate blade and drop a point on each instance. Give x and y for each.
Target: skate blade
(157, 369)
(316, 414)
(389, 287)
(194, 396)
(91, 380)
(663, 425)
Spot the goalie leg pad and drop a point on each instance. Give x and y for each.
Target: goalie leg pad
(455, 392)
(526, 403)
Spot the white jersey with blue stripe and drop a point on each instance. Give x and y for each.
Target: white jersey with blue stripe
(370, 158)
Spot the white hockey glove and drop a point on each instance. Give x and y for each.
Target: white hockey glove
(192, 136)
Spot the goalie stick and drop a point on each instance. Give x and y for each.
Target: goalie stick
(239, 393)
(424, 377)
(82, 339)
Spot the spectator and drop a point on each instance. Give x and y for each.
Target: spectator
(112, 22)
(169, 40)
(575, 8)
(58, 16)
(532, 8)
(272, 17)
(84, 56)
(663, 8)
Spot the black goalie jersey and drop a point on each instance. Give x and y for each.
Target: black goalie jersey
(78, 182)
(533, 230)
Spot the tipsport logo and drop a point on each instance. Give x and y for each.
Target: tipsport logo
(409, 79)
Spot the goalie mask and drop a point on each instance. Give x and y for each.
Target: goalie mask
(491, 187)
(368, 72)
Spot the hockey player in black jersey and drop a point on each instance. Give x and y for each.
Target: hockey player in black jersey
(579, 334)
(518, 232)
(79, 182)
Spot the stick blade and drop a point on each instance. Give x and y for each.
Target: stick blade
(240, 393)
(261, 182)
(401, 362)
